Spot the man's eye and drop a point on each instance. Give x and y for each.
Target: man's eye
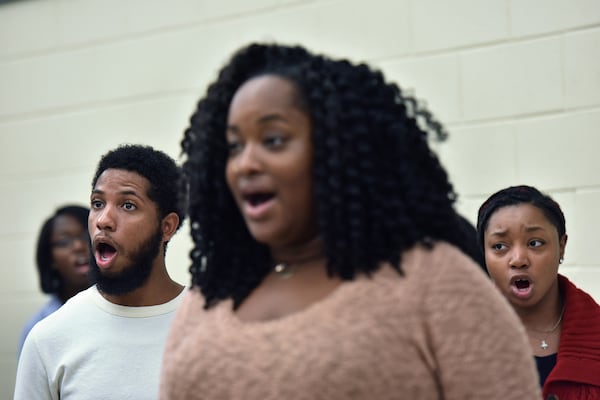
(96, 204)
(129, 206)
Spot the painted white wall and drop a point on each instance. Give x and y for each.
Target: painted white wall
(515, 81)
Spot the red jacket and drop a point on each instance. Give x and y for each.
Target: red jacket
(576, 375)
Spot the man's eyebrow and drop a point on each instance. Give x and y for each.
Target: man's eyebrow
(121, 193)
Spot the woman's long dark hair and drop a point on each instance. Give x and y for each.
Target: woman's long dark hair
(378, 188)
(51, 281)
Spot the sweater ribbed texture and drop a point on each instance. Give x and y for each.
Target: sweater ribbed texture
(576, 375)
(441, 331)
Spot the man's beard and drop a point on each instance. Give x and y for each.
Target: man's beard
(133, 276)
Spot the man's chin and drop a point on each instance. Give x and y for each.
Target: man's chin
(122, 282)
(132, 276)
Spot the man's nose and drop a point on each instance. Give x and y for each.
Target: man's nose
(105, 218)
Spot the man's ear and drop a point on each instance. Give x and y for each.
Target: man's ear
(169, 226)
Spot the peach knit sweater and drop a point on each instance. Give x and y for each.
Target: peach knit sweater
(440, 332)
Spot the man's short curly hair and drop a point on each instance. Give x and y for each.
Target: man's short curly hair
(378, 188)
(157, 167)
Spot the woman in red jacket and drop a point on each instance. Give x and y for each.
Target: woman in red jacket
(523, 236)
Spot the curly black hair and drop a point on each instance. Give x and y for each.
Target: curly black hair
(157, 167)
(51, 281)
(515, 195)
(472, 249)
(378, 187)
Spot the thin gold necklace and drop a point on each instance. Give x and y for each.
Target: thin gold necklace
(286, 270)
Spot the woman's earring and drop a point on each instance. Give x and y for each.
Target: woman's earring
(560, 261)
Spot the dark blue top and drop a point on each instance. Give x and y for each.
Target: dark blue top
(52, 305)
(544, 366)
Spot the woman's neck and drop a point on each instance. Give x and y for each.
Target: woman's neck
(68, 292)
(302, 253)
(545, 314)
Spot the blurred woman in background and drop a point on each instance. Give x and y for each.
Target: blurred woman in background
(62, 259)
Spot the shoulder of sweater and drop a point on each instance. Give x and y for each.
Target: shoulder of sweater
(65, 316)
(576, 297)
(426, 271)
(582, 313)
(442, 261)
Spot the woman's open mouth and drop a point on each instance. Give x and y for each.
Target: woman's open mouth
(522, 287)
(256, 205)
(82, 265)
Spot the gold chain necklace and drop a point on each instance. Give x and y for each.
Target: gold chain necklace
(284, 270)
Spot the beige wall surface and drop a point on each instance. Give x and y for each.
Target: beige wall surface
(517, 83)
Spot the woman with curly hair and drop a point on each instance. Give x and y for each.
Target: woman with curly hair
(327, 256)
(523, 235)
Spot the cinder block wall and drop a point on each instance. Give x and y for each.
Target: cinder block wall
(515, 81)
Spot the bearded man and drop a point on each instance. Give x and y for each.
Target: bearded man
(107, 341)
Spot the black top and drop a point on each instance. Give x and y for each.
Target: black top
(544, 366)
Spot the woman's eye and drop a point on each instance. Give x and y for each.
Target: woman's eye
(234, 147)
(536, 243)
(275, 141)
(498, 246)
